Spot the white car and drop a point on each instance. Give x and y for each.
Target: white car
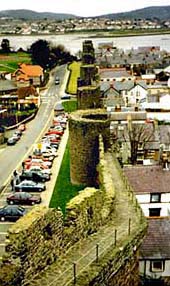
(38, 168)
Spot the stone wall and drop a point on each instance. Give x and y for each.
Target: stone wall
(88, 74)
(88, 97)
(84, 129)
(119, 267)
(34, 241)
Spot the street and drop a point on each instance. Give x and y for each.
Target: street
(12, 156)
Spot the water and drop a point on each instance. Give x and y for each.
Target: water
(73, 43)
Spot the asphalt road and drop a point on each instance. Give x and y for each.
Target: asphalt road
(12, 156)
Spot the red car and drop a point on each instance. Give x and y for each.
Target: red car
(23, 198)
(52, 131)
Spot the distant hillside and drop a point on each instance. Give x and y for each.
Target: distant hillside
(32, 15)
(160, 12)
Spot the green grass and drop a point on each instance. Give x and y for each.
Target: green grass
(64, 191)
(74, 74)
(70, 105)
(9, 62)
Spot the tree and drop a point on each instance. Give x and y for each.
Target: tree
(5, 46)
(40, 53)
(49, 56)
(137, 135)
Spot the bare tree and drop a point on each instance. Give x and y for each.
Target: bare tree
(137, 135)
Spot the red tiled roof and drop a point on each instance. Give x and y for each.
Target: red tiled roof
(148, 179)
(30, 70)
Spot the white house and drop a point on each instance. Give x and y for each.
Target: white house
(158, 110)
(137, 94)
(155, 251)
(152, 188)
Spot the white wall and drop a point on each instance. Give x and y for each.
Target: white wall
(165, 273)
(144, 200)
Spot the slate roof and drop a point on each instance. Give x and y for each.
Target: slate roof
(113, 73)
(156, 244)
(148, 179)
(7, 85)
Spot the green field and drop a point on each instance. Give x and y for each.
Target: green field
(9, 62)
(64, 191)
(70, 105)
(74, 74)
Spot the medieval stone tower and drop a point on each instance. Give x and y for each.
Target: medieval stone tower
(87, 123)
(88, 91)
(85, 126)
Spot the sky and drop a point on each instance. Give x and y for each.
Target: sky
(83, 8)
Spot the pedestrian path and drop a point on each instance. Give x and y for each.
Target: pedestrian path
(83, 253)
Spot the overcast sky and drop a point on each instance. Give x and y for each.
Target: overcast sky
(81, 7)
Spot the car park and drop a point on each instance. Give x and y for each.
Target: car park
(36, 176)
(29, 186)
(11, 213)
(23, 198)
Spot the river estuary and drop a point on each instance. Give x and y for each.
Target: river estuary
(73, 42)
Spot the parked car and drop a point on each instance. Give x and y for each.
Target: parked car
(65, 96)
(23, 198)
(36, 176)
(45, 155)
(29, 186)
(12, 141)
(22, 127)
(33, 163)
(18, 133)
(39, 168)
(47, 164)
(53, 131)
(11, 213)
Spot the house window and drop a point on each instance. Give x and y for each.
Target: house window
(154, 212)
(155, 198)
(157, 266)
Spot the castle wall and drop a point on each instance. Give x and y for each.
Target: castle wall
(119, 267)
(88, 97)
(84, 130)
